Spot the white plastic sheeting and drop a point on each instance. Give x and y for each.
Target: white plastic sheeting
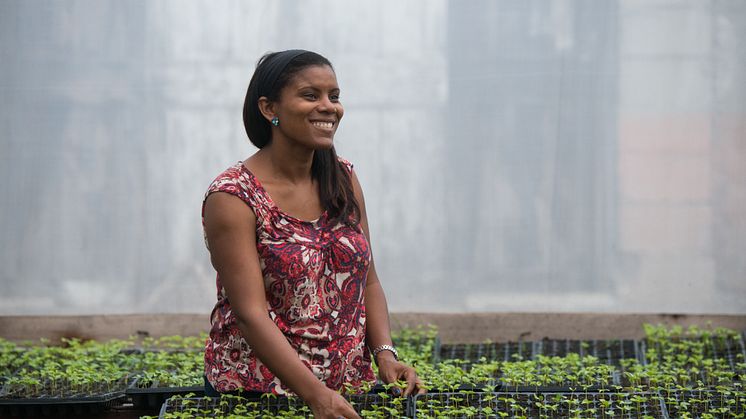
(515, 155)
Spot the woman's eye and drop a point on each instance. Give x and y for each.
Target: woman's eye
(334, 98)
(310, 96)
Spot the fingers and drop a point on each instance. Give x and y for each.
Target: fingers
(420, 387)
(352, 414)
(335, 407)
(411, 376)
(349, 412)
(397, 371)
(389, 378)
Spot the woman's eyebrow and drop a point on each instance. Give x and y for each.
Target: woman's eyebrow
(311, 86)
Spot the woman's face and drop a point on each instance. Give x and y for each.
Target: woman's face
(309, 109)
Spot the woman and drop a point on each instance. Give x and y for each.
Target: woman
(299, 302)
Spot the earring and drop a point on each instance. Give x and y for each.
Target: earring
(275, 121)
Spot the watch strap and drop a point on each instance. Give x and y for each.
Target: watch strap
(379, 349)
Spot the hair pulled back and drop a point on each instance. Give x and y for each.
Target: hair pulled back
(274, 71)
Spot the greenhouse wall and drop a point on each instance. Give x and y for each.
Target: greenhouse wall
(524, 156)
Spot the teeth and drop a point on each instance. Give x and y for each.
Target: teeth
(324, 125)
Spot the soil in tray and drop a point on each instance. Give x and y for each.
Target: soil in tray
(608, 352)
(58, 407)
(368, 405)
(701, 370)
(473, 352)
(538, 405)
(149, 398)
(62, 390)
(573, 372)
(731, 350)
(148, 394)
(700, 403)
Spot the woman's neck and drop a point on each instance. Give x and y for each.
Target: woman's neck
(287, 163)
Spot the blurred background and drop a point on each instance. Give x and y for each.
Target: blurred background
(515, 155)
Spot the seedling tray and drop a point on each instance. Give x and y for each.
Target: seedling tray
(560, 388)
(609, 352)
(489, 387)
(699, 403)
(492, 351)
(732, 350)
(59, 407)
(558, 374)
(154, 396)
(63, 390)
(556, 389)
(364, 404)
(419, 345)
(538, 405)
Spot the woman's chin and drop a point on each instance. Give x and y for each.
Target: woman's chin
(324, 144)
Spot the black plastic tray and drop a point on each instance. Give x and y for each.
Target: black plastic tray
(273, 405)
(714, 399)
(59, 407)
(153, 397)
(608, 352)
(491, 351)
(488, 404)
(731, 352)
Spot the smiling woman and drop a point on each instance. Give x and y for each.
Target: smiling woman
(299, 304)
(308, 107)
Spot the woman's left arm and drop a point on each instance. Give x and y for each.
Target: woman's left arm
(378, 328)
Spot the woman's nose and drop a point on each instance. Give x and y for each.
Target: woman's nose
(327, 105)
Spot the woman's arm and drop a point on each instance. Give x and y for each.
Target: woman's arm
(378, 328)
(230, 226)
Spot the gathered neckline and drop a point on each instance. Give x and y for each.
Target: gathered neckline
(272, 203)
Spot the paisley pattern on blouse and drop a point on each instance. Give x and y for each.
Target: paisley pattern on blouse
(314, 278)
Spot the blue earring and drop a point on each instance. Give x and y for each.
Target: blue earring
(275, 121)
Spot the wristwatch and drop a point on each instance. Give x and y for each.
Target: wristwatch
(382, 348)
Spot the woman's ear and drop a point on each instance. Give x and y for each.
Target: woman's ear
(266, 108)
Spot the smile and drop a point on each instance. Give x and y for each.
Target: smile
(323, 125)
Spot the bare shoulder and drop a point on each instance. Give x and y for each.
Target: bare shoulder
(226, 211)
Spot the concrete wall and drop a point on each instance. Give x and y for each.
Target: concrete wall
(515, 155)
(682, 145)
(452, 327)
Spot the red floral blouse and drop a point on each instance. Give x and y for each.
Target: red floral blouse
(314, 278)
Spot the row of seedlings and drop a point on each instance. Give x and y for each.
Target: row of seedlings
(610, 351)
(68, 380)
(520, 405)
(76, 377)
(719, 393)
(368, 405)
(417, 346)
(549, 364)
(169, 366)
(699, 372)
(691, 373)
(538, 405)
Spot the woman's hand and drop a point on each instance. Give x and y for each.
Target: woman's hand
(390, 371)
(329, 404)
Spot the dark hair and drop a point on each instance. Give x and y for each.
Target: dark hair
(273, 73)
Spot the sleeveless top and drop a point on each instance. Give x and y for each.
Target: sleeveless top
(314, 278)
